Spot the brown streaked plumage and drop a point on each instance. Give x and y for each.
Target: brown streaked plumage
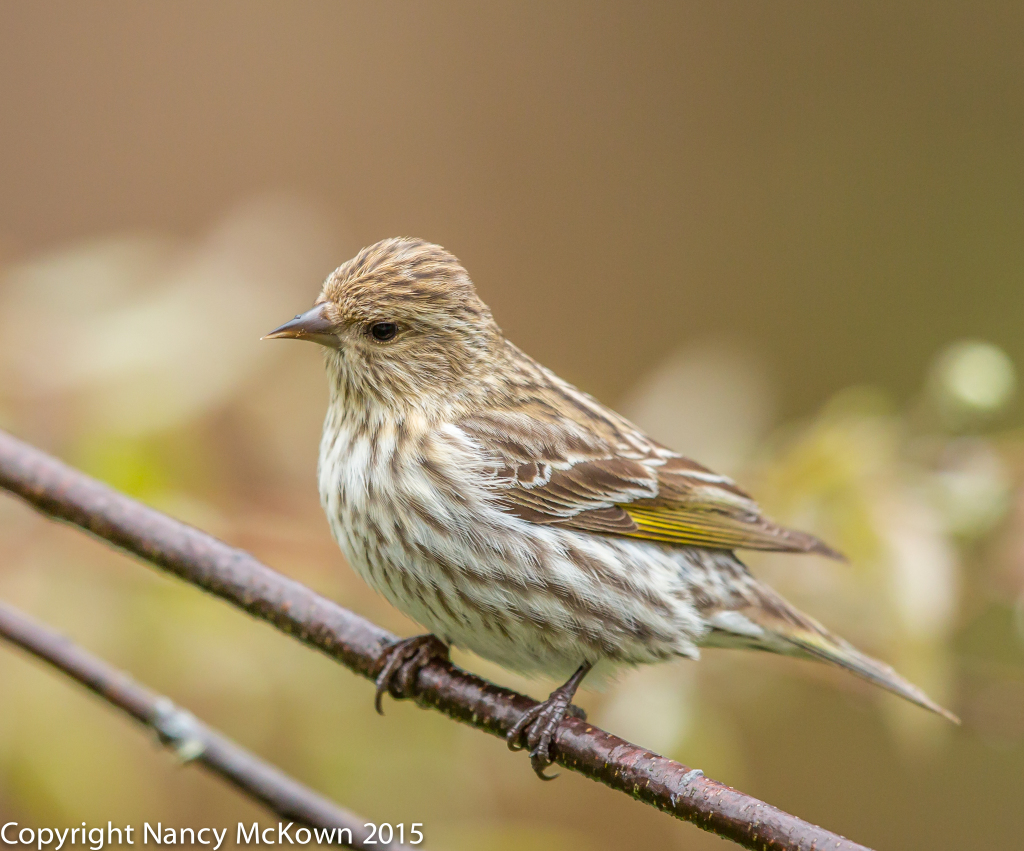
(593, 471)
(514, 515)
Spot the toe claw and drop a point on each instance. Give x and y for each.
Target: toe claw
(536, 730)
(385, 677)
(540, 758)
(515, 735)
(402, 662)
(540, 761)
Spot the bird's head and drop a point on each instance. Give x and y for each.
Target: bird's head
(401, 324)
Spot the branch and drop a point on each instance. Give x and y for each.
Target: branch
(66, 494)
(182, 732)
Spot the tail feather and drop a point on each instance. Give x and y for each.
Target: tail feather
(774, 625)
(832, 649)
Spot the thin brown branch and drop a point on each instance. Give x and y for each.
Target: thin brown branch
(189, 739)
(66, 494)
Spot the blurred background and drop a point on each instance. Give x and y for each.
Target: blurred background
(786, 238)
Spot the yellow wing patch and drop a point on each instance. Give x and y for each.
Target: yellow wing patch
(709, 528)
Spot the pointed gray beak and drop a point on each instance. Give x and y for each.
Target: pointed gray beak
(313, 325)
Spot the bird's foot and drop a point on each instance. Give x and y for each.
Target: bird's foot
(402, 662)
(537, 728)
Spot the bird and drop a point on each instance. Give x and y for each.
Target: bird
(513, 515)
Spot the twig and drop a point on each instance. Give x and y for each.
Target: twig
(66, 494)
(183, 733)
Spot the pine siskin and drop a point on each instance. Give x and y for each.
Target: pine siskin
(515, 516)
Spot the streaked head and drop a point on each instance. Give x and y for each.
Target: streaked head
(400, 319)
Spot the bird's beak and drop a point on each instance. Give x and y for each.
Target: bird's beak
(313, 325)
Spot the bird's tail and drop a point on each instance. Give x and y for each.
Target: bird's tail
(774, 625)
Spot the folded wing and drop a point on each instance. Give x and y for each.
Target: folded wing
(595, 472)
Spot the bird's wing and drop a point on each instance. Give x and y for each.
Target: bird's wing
(596, 472)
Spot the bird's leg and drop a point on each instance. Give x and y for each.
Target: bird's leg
(402, 662)
(541, 723)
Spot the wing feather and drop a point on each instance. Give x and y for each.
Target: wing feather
(605, 476)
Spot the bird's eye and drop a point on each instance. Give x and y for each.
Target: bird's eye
(382, 332)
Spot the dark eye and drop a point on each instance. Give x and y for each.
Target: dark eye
(384, 331)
